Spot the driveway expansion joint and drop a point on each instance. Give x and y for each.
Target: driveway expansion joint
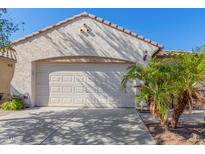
(58, 127)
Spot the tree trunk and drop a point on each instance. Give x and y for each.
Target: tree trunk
(155, 111)
(179, 108)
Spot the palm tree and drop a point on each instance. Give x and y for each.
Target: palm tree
(155, 88)
(189, 70)
(178, 77)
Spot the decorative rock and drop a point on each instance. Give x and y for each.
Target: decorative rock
(195, 139)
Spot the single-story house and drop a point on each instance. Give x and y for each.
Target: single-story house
(79, 62)
(7, 66)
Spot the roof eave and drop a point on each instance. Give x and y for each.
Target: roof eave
(8, 59)
(101, 20)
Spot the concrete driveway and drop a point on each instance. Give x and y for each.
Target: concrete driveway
(73, 126)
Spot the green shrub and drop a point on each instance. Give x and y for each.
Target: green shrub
(14, 104)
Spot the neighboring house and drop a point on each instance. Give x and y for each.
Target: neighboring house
(7, 66)
(169, 53)
(79, 62)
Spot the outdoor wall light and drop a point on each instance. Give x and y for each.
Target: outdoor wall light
(145, 56)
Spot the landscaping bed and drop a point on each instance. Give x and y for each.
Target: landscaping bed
(178, 136)
(186, 133)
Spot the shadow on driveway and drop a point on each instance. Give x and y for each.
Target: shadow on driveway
(74, 126)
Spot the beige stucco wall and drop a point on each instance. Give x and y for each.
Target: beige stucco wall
(67, 40)
(6, 74)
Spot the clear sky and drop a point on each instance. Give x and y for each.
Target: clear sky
(174, 28)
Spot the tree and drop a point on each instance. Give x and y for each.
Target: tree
(155, 88)
(199, 48)
(163, 79)
(190, 76)
(7, 28)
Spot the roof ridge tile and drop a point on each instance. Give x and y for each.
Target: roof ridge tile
(101, 20)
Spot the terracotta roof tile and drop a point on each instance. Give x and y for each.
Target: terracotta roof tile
(120, 28)
(10, 55)
(101, 20)
(146, 39)
(90, 15)
(127, 31)
(168, 53)
(113, 25)
(140, 37)
(106, 22)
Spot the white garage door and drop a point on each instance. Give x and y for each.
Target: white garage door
(82, 85)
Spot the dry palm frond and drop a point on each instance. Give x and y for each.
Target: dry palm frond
(157, 114)
(199, 98)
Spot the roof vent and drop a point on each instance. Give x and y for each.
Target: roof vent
(86, 30)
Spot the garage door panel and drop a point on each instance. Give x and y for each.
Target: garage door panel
(67, 89)
(79, 90)
(67, 100)
(90, 85)
(55, 100)
(97, 102)
(90, 89)
(55, 90)
(90, 80)
(67, 78)
(79, 78)
(78, 100)
(55, 78)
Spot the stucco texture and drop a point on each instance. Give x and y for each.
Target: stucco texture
(68, 40)
(6, 73)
